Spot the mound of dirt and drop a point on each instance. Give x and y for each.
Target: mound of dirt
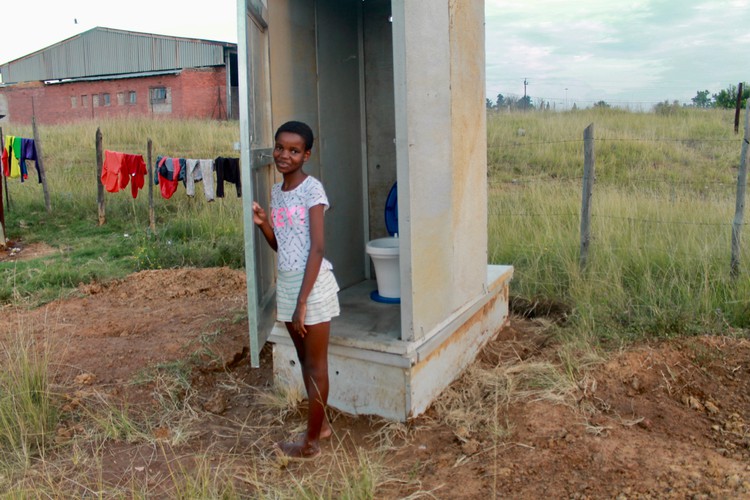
(115, 330)
(667, 420)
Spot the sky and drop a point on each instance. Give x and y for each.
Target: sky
(633, 53)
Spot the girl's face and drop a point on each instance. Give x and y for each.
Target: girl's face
(289, 153)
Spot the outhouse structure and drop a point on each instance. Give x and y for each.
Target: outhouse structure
(394, 91)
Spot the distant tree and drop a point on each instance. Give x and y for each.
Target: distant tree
(574, 108)
(489, 104)
(500, 102)
(667, 108)
(602, 105)
(524, 103)
(727, 98)
(702, 99)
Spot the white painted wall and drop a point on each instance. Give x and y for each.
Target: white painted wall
(441, 151)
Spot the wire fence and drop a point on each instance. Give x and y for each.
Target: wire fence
(647, 203)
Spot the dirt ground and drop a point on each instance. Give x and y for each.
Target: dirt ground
(667, 420)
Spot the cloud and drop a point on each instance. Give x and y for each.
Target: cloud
(639, 50)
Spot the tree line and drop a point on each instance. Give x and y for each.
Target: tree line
(725, 98)
(511, 102)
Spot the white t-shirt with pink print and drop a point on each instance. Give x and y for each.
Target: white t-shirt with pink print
(291, 222)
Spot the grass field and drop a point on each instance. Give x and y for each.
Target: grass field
(662, 207)
(663, 203)
(190, 232)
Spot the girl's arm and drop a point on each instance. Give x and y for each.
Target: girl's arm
(260, 218)
(312, 267)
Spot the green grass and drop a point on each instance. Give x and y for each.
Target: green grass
(189, 232)
(663, 203)
(28, 413)
(662, 207)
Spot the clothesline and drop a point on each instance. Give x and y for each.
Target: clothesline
(119, 169)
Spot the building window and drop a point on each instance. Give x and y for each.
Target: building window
(120, 98)
(158, 95)
(73, 102)
(105, 100)
(84, 101)
(131, 97)
(95, 101)
(160, 99)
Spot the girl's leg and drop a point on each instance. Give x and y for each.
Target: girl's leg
(299, 346)
(316, 363)
(312, 351)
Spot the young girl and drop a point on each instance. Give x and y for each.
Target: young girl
(306, 289)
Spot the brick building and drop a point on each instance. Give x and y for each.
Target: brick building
(113, 73)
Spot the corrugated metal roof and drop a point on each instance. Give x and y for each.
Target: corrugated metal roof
(115, 77)
(106, 51)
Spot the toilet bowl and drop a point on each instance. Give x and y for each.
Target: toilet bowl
(384, 253)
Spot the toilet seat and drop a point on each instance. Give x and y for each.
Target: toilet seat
(391, 211)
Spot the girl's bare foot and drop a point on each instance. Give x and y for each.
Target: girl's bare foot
(299, 449)
(325, 432)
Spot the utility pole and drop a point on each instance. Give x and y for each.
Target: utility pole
(525, 83)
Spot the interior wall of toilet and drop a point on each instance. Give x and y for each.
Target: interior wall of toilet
(332, 67)
(380, 116)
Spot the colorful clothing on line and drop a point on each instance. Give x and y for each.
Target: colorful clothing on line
(11, 161)
(227, 169)
(28, 152)
(168, 169)
(168, 175)
(200, 170)
(5, 159)
(17, 146)
(120, 168)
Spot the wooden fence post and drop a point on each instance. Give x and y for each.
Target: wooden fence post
(740, 202)
(40, 162)
(588, 186)
(99, 185)
(151, 214)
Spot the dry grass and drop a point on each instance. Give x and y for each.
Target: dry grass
(106, 449)
(662, 206)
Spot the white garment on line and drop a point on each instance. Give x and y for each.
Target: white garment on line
(200, 170)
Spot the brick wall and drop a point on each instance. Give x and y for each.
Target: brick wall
(194, 93)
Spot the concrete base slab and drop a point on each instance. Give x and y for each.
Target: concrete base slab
(373, 372)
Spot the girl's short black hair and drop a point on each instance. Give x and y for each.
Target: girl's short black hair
(301, 129)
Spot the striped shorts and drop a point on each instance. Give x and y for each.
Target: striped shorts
(322, 303)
